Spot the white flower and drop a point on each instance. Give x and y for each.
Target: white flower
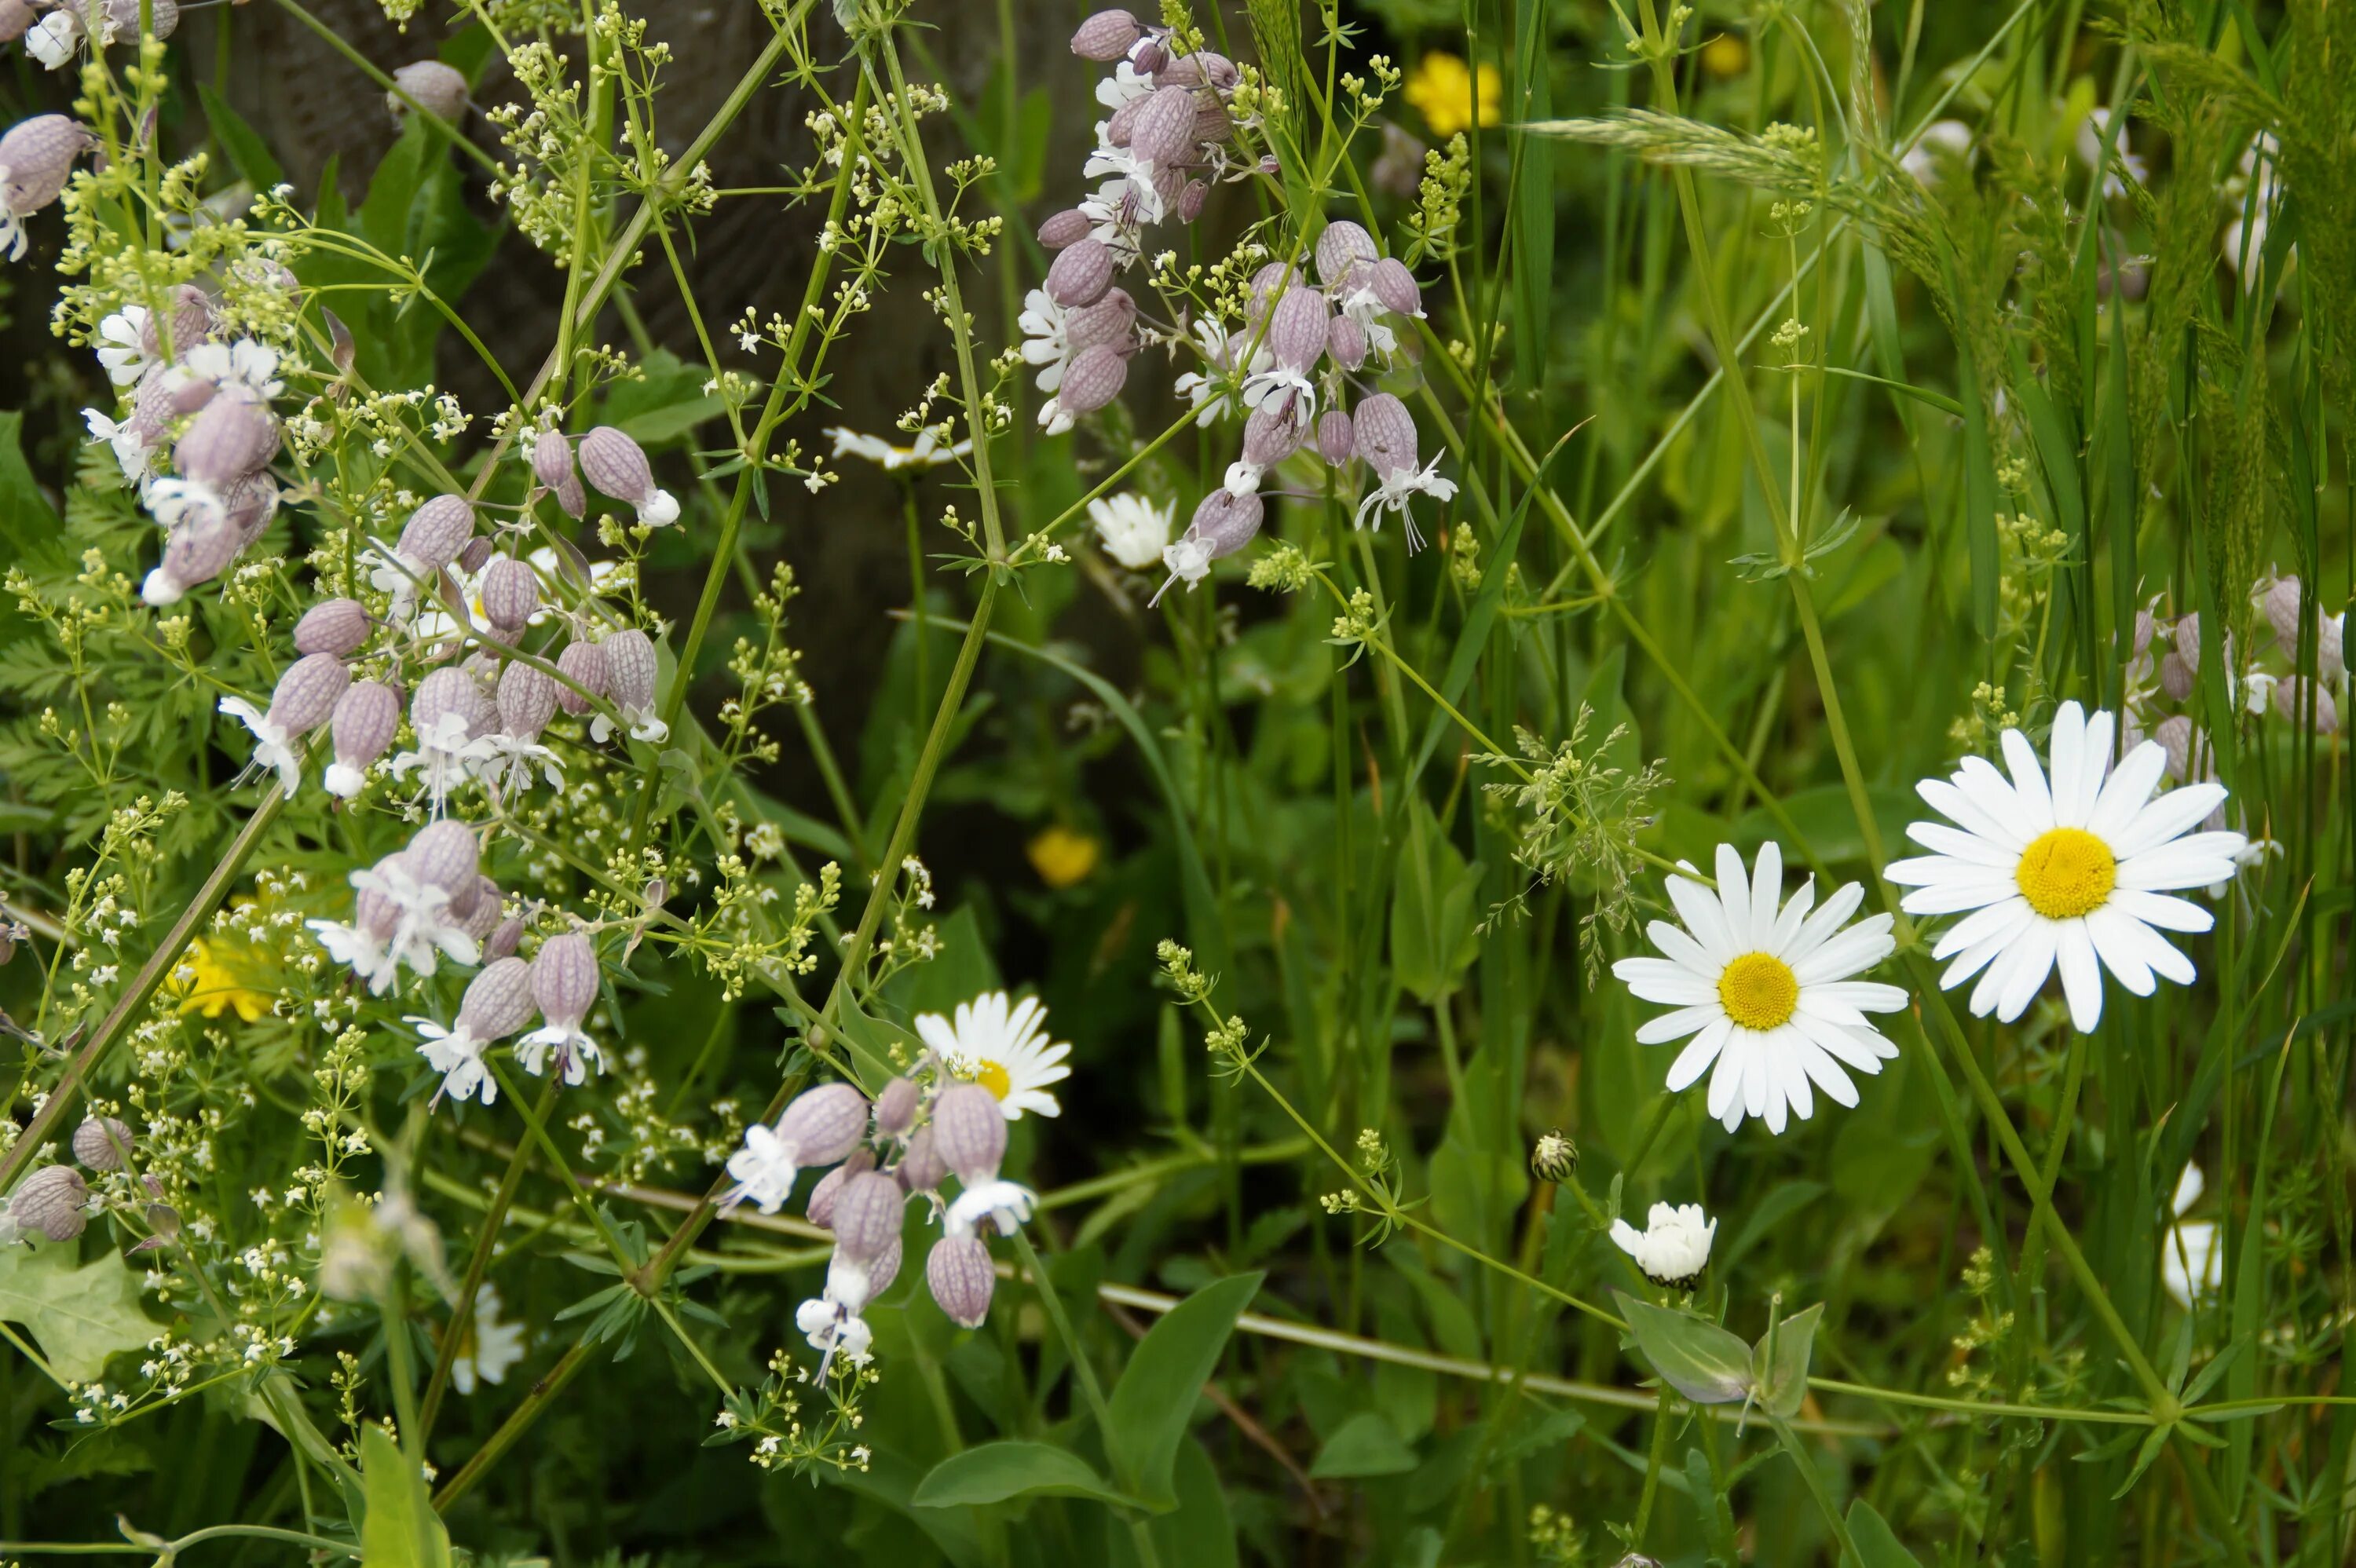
(1189, 561)
(244, 363)
(1764, 989)
(133, 453)
(1922, 159)
(272, 747)
(1673, 1247)
(1002, 1048)
(645, 725)
(1005, 1205)
(423, 933)
(1391, 492)
(505, 762)
(357, 949)
(446, 755)
(576, 1054)
(458, 1057)
(1212, 389)
(2074, 873)
(1126, 83)
(2192, 1259)
(1044, 343)
(54, 39)
(121, 348)
(491, 1346)
(1131, 528)
(832, 1322)
(177, 503)
(764, 1169)
(927, 452)
(2094, 131)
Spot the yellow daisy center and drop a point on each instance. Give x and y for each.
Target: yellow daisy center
(992, 1077)
(2067, 872)
(1759, 991)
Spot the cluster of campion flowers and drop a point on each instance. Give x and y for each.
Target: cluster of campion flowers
(1310, 326)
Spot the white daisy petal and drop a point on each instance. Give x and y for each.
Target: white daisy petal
(2027, 780)
(2166, 818)
(1780, 940)
(2082, 974)
(2128, 787)
(1960, 807)
(1985, 785)
(2035, 952)
(1678, 1024)
(1705, 917)
(1953, 898)
(2113, 935)
(1766, 891)
(1956, 843)
(2067, 747)
(1828, 1075)
(2160, 910)
(1698, 1054)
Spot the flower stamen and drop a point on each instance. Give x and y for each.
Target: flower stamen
(1759, 991)
(2067, 872)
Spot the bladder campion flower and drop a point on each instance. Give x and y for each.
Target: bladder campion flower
(2072, 871)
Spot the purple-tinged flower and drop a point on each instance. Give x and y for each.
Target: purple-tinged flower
(423, 930)
(431, 538)
(1068, 226)
(1337, 441)
(497, 1002)
(584, 664)
(1343, 251)
(527, 699)
(1094, 379)
(564, 984)
(1223, 524)
(1003, 1205)
(363, 946)
(196, 552)
(921, 1167)
(1273, 433)
(509, 594)
(970, 1132)
(819, 1211)
(958, 1273)
(867, 1215)
(304, 698)
(1106, 36)
(35, 155)
(444, 714)
(366, 718)
(617, 466)
(1080, 274)
(1386, 441)
(1213, 389)
(102, 1143)
(896, 1108)
(438, 89)
(53, 1200)
(338, 626)
(551, 465)
(630, 668)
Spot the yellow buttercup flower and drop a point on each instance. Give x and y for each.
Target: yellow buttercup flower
(207, 985)
(1450, 96)
(1063, 856)
(1725, 55)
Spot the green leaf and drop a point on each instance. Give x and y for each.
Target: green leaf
(1433, 937)
(245, 149)
(1877, 1545)
(1693, 1356)
(996, 1472)
(78, 1316)
(401, 1530)
(1366, 1445)
(1200, 1534)
(1156, 1396)
(28, 525)
(1779, 1362)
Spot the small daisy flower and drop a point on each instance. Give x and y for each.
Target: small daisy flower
(1002, 1046)
(1133, 529)
(2072, 872)
(1765, 989)
(1673, 1248)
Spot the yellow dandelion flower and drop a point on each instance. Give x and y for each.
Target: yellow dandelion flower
(1063, 856)
(206, 984)
(1725, 56)
(1450, 96)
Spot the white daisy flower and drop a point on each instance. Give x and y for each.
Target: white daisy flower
(1133, 529)
(1002, 1046)
(1765, 989)
(2072, 874)
(489, 1347)
(1673, 1248)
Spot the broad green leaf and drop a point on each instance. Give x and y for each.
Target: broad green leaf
(402, 1530)
(1432, 913)
(1156, 1396)
(28, 526)
(1693, 1356)
(245, 149)
(79, 1316)
(1199, 1534)
(996, 1472)
(1877, 1545)
(1779, 1362)
(1366, 1445)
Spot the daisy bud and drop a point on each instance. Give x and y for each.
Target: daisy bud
(194, 554)
(308, 693)
(1164, 131)
(35, 155)
(435, 533)
(1554, 1157)
(970, 1132)
(1106, 37)
(895, 1108)
(527, 699)
(499, 1001)
(824, 1123)
(332, 626)
(584, 664)
(551, 465)
(1346, 339)
(617, 466)
(2176, 678)
(505, 938)
(102, 1142)
(362, 728)
(476, 554)
(564, 979)
(1296, 332)
(1395, 286)
(1342, 249)
(51, 1201)
(1092, 379)
(921, 1169)
(482, 916)
(867, 1214)
(437, 88)
(2291, 698)
(1385, 435)
(1190, 200)
(445, 855)
(1109, 322)
(1080, 274)
(510, 593)
(1068, 226)
(820, 1208)
(1336, 440)
(631, 666)
(959, 1274)
(231, 438)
